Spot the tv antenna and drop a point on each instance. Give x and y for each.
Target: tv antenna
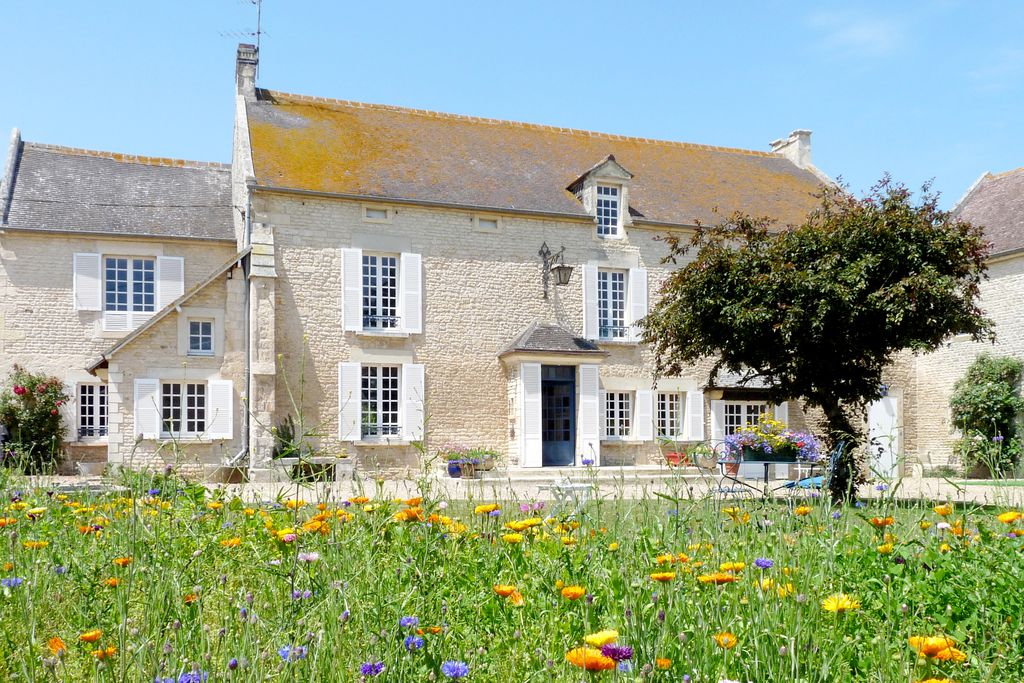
(251, 35)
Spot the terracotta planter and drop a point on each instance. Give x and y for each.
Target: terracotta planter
(732, 468)
(676, 459)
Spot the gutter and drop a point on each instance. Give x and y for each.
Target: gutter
(117, 235)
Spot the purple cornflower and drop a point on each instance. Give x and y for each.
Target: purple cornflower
(624, 667)
(192, 677)
(588, 462)
(881, 487)
(619, 653)
(12, 582)
(837, 514)
(153, 492)
(233, 664)
(763, 563)
(524, 507)
(453, 669)
(345, 616)
(409, 622)
(494, 513)
(371, 668)
(998, 438)
(290, 653)
(60, 570)
(413, 643)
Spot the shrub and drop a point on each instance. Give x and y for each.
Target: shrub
(30, 410)
(987, 405)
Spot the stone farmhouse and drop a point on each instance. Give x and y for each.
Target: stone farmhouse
(391, 276)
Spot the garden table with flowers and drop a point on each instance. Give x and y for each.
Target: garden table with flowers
(766, 443)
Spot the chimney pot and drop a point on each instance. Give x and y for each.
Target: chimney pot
(245, 70)
(796, 147)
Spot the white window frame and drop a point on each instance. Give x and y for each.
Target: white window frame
(379, 396)
(738, 414)
(189, 425)
(618, 415)
(486, 224)
(371, 213)
(98, 414)
(375, 295)
(669, 420)
(193, 337)
(605, 300)
(133, 278)
(611, 196)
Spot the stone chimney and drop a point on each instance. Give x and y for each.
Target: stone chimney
(245, 71)
(796, 148)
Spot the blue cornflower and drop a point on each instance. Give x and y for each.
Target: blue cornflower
(881, 487)
(453, 669)
(154, 492)
(588, 461)
(60, 570)
(494, 513)
(192, 677)
(624, 667)
(290, 653)
(409, 622)
(371, 668)
(837, 514)
(233, 663)
(763, 563)
(12, 582)
(412, 643)
(345, 616)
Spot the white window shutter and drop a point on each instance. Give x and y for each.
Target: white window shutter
(352, 289)
(643, 416)
(87, 282)
(349, 403)
(530, 434)
(116, 321)
(782, 413)
(590, 320)
(413, 400)
(693, 416)
(717, 422)
(147, 410)
(602, 413)
(410, 274)
(221, 402)
(590, 413)
(170, 280)
(637, 300)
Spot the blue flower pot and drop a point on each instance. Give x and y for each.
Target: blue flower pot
(454, 469)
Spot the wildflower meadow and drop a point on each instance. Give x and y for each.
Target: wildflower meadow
(167, 581)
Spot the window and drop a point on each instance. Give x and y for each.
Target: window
(380, 292)
(742, 413)
(200, 337)
(669, 419)
(92, 410)
(380, 400)
(486, 223)
(611, 304)
(607, 211)
(129, 284)
(617, 414)
(183, 408)
(376, 214)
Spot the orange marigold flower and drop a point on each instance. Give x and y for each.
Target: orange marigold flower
(190, 598)
(359, 500)
(7, 521)
(8, 566)
(512, 538)
(716, 578)
(215, 505)
(486, 509)
(663, 663)
(294, 504)
(316, 526)
(1009, 517)
(930, 646)
(943, 510)
(589, 658)
(231, 542)
(881, 522)
(105, 653)
(951, 654)
(56, 646)
(516, 599)
(122, 561)
(112, 582)
(504, 590)
(573, 592)
(91, 636)
(725, 640)
(802, 511)
(663, 576)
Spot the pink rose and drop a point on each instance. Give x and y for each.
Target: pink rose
(19, 390)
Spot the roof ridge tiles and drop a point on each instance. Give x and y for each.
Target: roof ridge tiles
(127, 158)
(313, 99)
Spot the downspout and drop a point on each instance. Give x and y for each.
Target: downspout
(246, 267)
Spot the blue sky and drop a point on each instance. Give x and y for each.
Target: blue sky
(919, 89)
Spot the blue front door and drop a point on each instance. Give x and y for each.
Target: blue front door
(558, 414)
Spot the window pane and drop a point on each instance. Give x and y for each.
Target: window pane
(92, 410)
(380, 291)
(611, 304)
(607, 210)
(143, 285)
(116, 284)
(170, 408)
(670, 413)
(200, 337)
(380, 400)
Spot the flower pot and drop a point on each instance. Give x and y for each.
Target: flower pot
(454, 469)
(468, 470)
(732, 468)
(486, 466)
(778, 455)
(676, 459)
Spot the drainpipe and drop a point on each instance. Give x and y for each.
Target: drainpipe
(249, 183)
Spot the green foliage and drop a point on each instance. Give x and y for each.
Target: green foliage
(30, 410)
(987, 407)
(818, 310)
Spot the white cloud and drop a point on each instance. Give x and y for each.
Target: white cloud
(851, 34)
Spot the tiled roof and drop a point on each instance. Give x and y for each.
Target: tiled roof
(549, 338)
(76, 190)
(356, 149)
(996, 202)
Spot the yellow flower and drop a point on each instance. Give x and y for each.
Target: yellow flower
(573, 592)
(8, 566)
(613, 547)
(725, 640)
(885, 549)
(514, 539)
(784, 590)
(945, 548)
(733, 567)
(935, 680)
(601, 637)
(802, 511)
(36, 545)
(91, 636)
(663, 663)
(122, 561)
(925, 525)
(1009, 517)
(840, 602)
(663, 576)
(486, 509)
(589, 658)
(716, 578)
(56, 646)
(504, 590)
(881, 522)
(568, 540)
(7, 521)
(231, 542)
(664, 559)
(943, 510)
(215, 505)
(930, 645)
(294, 504)
(36, 512)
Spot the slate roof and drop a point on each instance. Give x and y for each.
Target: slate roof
(996, 202)
(378, 151)
(65, 189)
(549, 338)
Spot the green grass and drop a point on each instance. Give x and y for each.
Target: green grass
(992, 482)
(189, 603)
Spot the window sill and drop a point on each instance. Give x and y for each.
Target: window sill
(618, 342)
(194, 354)
(398, 334)
(167, 438)
(91, 441)
(375, 443)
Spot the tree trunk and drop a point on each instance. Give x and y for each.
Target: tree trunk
(844, 476)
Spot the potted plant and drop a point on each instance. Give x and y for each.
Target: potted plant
(453, 456)
(771, 441)
(486, 456)
(677, 458)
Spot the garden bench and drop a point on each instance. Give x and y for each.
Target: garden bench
(567, 492)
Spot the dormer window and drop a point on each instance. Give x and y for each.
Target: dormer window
(608, 214)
